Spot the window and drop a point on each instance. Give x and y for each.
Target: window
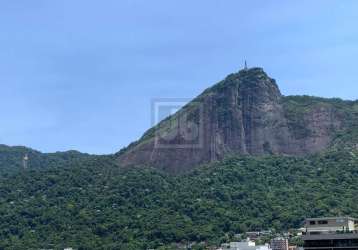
(322, 222)
(312, 222)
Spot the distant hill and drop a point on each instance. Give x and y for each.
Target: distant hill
(245, 114)
(11, 159)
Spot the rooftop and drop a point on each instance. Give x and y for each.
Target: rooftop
(333, 236)
(333, 218)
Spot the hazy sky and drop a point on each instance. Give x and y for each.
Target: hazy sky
(81, 74)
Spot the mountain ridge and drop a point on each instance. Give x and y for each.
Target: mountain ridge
(243, 114)
(11, 158)
(87, 202)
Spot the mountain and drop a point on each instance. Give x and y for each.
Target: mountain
(245, 114)
(249, 157)
(11, 159)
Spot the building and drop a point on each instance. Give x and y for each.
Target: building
(330, 224)
(331, 233)
(244, 245)
(279, 244)
(257, 235)
(253, 235)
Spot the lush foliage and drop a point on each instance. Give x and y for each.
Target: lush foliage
(11, 159)
(88, 202)
(96, 205)
(296, 107)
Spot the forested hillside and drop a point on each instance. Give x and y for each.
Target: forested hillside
(267, 162)
(11, 159)
(97, 205)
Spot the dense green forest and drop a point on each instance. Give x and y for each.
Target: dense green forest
(93, 204)
(11, 159)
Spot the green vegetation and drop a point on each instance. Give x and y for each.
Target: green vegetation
(298, 107)
(83, 201)
(96, 205)
(11, 159)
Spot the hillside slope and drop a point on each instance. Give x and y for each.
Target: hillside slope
(100, 206)
(269, 161)
(11, 159)
(244, 114)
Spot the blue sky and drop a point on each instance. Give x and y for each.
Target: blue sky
(81, 74)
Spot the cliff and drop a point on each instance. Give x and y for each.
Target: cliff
(245, 114)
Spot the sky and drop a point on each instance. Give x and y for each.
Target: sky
(83, 74)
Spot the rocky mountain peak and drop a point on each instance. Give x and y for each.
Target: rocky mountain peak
(257, 79)
(243, 114)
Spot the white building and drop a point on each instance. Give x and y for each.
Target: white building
(244, 245)
(330, 224)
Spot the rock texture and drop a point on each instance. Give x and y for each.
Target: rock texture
(243, 114)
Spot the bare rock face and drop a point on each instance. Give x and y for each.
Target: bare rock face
(243, 114)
